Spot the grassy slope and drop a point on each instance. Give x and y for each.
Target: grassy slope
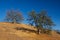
(8, 32)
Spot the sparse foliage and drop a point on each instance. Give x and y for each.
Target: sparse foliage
(14, 16)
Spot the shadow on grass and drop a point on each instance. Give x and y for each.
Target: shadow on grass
(25, 29)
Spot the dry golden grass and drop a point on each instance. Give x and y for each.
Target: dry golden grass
(8, 31)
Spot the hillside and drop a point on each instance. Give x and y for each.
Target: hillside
(9, 31)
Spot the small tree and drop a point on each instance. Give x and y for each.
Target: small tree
(14, 16)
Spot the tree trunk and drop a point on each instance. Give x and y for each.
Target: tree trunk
(38, 31)
(14, 21)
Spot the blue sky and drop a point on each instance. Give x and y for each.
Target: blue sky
(24, 6)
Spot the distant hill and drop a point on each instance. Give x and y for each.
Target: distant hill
(9, 31)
